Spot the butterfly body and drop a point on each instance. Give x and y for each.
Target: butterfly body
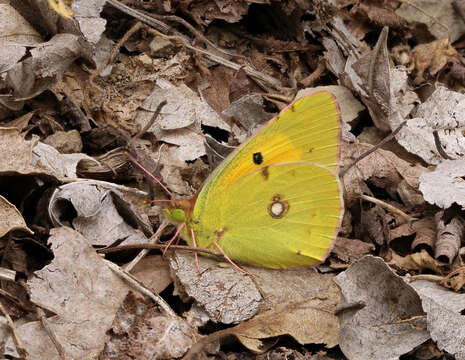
(276, 201)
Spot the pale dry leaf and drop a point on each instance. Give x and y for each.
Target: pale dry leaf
(403, 98)
(17, 34)
(444, 185)
(442, 13)
(98, 215)
(180, 120)
(335, 61)
(216, 151)
(60, 165)
(83, 293)
(308, 322)
(295, 285)
(44, 67)
(17, 154)
(227, 295)
(10, 218)
(5, 331)
(390, 324)
(248, 111)
(141, 331)
(154, 272)
(443, 112)
(444, 316)
(65, 142)
(382, 168)
(87, 15)
(213, 292)
(102, 52)
(374, 71)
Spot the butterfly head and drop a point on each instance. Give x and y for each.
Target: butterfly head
(178, 211)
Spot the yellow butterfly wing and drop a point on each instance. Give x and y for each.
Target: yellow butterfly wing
(284, 215)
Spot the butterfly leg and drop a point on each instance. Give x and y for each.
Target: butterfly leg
(230, 261)
(196, 257)
(173, 238)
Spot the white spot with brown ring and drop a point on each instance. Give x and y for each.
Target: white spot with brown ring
(278, 208)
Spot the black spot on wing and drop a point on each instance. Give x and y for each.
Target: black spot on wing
(257, 158)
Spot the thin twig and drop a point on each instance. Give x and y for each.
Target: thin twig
(428, 277)
(439, 148)
(113, 52)
(373, 149)
(315, 75)
(17, 340)
(220, 60)
(197, 34)
(389, 207)
(149, 123)
(146, 19)
(50, 333)
(141, 288)
(159, 247)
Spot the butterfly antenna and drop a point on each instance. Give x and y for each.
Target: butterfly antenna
(178, 230)
(196, 257)
(133, 159)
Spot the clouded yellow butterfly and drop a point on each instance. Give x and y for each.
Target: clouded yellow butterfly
(276, 201)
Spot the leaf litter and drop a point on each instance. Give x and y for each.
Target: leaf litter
(82, 86)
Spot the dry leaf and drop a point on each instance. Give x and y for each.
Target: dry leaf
(154, 272)
(442, 112)
(350, 250)
(17, 34)
(417, 261)
(382, 168)
(99, 211)
(141, 331)
(374, 71)
(278, 287)
(444, 316)
(422, 234)
(83, 293)
(390, 324)
(445, 185)
(248, 111)
(442, 13)
(227, 295)
(308, 322)
(450, 231)
(10, 218)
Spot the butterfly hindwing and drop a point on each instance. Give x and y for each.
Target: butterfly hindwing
(280, 216)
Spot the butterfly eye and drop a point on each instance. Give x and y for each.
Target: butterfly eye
(257, 158)
(178, 215)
